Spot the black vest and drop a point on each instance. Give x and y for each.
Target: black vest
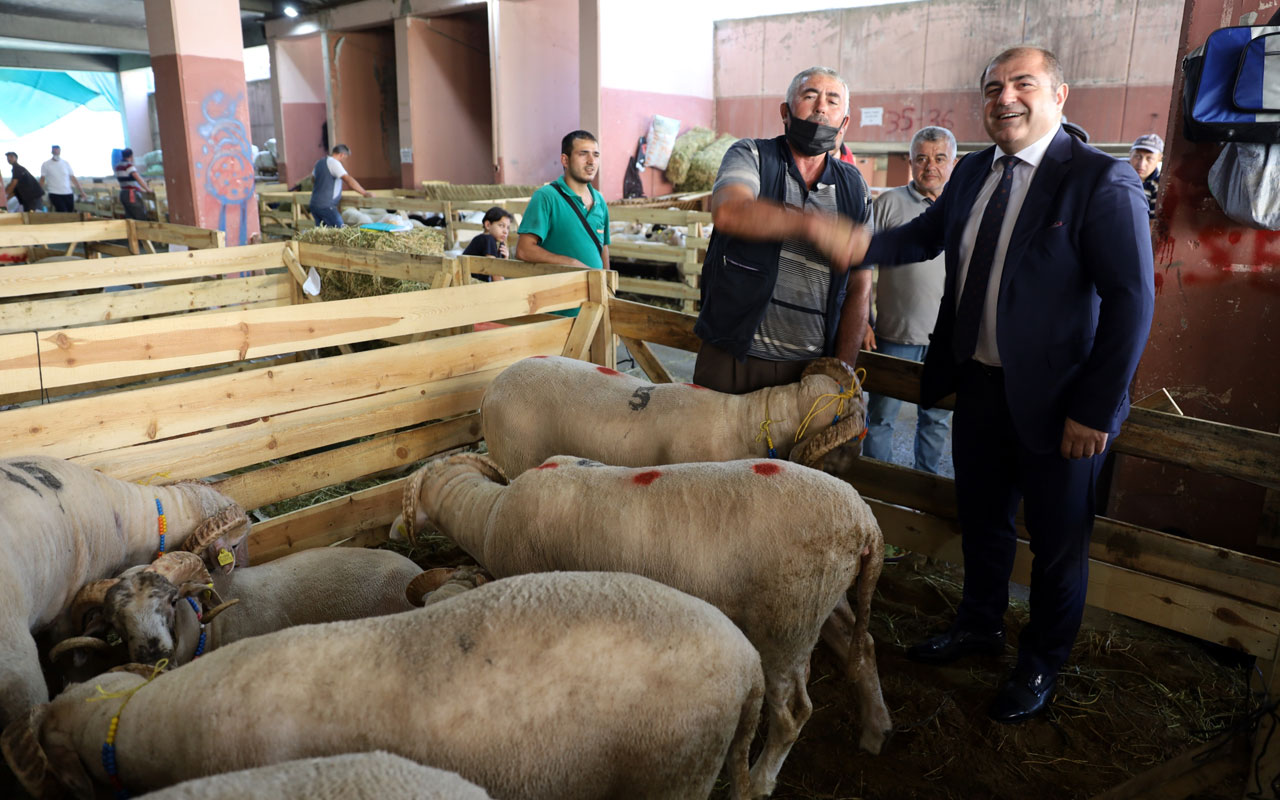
(738, 276)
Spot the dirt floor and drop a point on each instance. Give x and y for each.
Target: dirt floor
(1132, 697)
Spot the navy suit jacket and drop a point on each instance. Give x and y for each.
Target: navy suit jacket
(1076, 293)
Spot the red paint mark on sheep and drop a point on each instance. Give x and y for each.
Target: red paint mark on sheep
(547, 466)
(537, 356)
(696, 386)
(646, 478)
(766, 468)
(608, 371)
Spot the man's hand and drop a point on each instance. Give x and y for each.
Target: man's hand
(366, 193)
(843, 242)
(869, 341)
(1081, 441)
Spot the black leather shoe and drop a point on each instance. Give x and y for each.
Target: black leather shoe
(1024, 695)
(956, 643)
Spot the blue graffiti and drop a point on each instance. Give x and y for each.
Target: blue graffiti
(228, 161)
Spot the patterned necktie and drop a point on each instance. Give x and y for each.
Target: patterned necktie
(964, 339)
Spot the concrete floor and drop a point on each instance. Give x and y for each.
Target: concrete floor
(680, 364)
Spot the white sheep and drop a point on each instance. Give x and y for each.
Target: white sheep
(62, 525)
(545, 406)
(773, 545)
(149, 609)
(355, 776)
(566, 685)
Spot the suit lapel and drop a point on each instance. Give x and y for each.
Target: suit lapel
(1035, 207)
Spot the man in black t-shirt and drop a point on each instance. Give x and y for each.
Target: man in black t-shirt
(24, 186)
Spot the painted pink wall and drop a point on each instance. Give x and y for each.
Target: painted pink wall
(449, 99)
(625, 117)
(363, 91)
(920, 62)
(133, 89)
(299, 79)
(537, 91)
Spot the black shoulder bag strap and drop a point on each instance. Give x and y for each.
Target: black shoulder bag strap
(590, 232)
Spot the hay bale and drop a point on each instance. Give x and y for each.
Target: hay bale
(705, 165)
(683, 151)
(336, 284)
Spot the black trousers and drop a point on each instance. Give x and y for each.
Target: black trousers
(994, 470)
(62, 202)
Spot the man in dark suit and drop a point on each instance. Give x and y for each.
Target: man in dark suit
(1046, 311)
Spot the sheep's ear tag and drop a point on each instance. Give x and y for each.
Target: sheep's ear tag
(225, 557)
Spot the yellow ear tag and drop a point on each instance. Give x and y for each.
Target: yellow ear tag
(225, 557)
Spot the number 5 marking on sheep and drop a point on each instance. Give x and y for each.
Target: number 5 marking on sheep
(640, 400)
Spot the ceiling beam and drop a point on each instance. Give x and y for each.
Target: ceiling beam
(48, 59)
(45, 29)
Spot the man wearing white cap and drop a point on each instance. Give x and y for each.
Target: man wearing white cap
(1145, 155)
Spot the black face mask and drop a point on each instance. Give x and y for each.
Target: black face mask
(811, 138)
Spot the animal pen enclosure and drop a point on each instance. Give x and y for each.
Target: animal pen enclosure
(28, 237)
(273, 397)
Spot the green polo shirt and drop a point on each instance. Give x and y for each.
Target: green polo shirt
(558, 228)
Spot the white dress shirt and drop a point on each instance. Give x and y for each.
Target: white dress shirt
(1024, 170)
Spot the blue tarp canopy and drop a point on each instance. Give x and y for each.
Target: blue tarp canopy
(31, 99)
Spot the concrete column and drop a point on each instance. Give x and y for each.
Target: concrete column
(197, 57)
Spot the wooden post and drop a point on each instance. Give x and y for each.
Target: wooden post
(601, 285)
(450, 230)
(132, 227)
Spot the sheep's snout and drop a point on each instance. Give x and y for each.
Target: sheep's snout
(141, 609)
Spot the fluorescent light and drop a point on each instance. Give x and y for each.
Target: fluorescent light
(290, 12)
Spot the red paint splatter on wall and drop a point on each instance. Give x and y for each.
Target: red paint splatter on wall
(646, 478)
(1159, 282)
(766, 468)
(547, 466)
(607, 371)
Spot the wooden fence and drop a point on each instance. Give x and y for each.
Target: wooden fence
(95, 237)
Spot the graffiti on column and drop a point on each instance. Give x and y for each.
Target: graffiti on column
(227, 161)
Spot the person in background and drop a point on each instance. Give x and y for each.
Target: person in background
(57, 177)
(1145, 155)
(908, 298)
(493, 242)
(24, 186)
(330, 174)
(567, 221)
(132, 186)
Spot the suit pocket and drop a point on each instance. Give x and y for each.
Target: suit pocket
(1069, 354)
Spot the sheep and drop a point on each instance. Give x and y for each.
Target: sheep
(544, 406)
(561, 685)
(144, 606)
(355, 776)
(62, 525)
(773, 545)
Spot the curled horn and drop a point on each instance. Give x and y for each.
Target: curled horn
(833, 368)
(77, 643)
(90, 596)
(811, 451)
(180, 568)
(208, 532)
(409, 504)
(20, 743)
(483, 464)
(426, 583)
(218, 609)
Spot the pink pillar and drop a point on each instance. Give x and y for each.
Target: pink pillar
(197, 55)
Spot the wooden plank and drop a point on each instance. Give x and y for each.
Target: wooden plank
(652, 324)
(647, 252)
(663, 216)
(402, 266)
(1246, 577)
(61, 232)
(301, 475)
(78, 427)
(134, 348)
(1195, 770)
(1185, 609)
(507, 268)
(1159, 401)
(647, 360)
(288, 434)
(87, 309)
(656, 288)
(584, 329)
(364, 517)
(29, 279)
(602, 285)
(187, 235)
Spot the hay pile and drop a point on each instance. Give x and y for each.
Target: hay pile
(705, 165)
(341, 285)
(683, 151)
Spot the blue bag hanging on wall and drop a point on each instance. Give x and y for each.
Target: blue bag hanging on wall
(1232, 87)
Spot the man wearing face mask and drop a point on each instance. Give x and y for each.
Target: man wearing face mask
(777, 291)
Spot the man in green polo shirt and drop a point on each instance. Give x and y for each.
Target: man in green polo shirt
(567, 221)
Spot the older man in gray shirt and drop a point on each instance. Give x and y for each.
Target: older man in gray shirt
(907, 299)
